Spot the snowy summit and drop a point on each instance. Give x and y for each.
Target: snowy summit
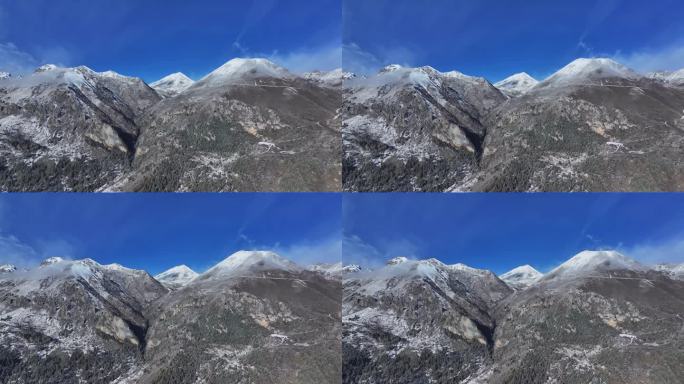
(585, 70)
(176, 277)
(245, 70)
(516, 85)
(172, 84)
(249, 262)
(589, 263)
(521, 277)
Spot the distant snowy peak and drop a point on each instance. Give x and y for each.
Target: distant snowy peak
(172, 84)
(589, 263)
(582, 70)
(45, 68)
(7, 268)
(521, 277)
(675, 78)
(335, 78)
(176, 277)
(244, 70)
(51, 260)
(391, 68)
(5, 75)
(247, 262)
(674, 271)
(516, 85)
(397, 260)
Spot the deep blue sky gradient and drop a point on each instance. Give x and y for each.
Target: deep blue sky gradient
(496, 38)
(152, 38)
(158, 231)
(502, 231)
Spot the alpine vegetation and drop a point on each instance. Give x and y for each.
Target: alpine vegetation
(599, 317)
(253, 318)
(250, 125)
(594, 125)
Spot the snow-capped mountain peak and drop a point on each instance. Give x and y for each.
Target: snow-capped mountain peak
(390, 68)
(397, 260)
(521, 277)
(336, 77)
(5, 75)
(516, 85)
(245, 262)
(45, 68)
(676, 77)
(51, 260)
(176, 277)
(583, 69)
(172, 84)
(587, 263)
(241, 69)
(7, 268)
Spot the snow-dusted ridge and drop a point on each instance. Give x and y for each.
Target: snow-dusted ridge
(517, 84)
(172, 84)
(246, 263)
(586, 71)
(245, 71)
(176, 277)
(521, 277)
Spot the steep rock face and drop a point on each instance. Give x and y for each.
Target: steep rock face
(241, 130)
(68, 128)
(66, 321)
(255, 317)
(593, 126)
(607, 320)
(418, 321)
(414, 129)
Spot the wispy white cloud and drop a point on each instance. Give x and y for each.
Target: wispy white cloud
(327, 250)
(669, 58)
(356, 59)
(356, 250)
(17, 61)
(666, 251)
(324, 58)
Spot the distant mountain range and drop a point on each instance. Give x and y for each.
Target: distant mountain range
(250, 125)
(253, 318)
(595, 125)
(599, 317)
(257, 317)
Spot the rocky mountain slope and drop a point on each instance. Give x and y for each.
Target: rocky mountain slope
(408, 129)
(255, 317)
(248, 126)
(599, 317)
(594, 125)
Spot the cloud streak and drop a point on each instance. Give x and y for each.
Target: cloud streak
(668, 58)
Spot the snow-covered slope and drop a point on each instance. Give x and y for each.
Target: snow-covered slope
(244, 71)
(247, 263)
(335, 78)
(334, 270)
(517, 84)
(674, 78)
(176, 277)
(585, 71)
(592, 264)
(172, 84)
(7, 268)
(4, 75)
(675, 271)
(521, 277)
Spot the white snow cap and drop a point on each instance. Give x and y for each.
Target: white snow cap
(676, 77)
(5, 75)
(251, 261)
(397, 260)
(246, 69)
(45, 68)
(7, 268)
(522, 276)
(588, 262)
(583, 69)
(516, 85)
(173, 84)
(334, 77)
(177, 276)
(52, 260)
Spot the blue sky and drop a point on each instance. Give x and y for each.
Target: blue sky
(496, 38)
(158, 231)
(152, 38)
(502, 231)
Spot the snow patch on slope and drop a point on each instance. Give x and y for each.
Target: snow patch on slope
(516, 85)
